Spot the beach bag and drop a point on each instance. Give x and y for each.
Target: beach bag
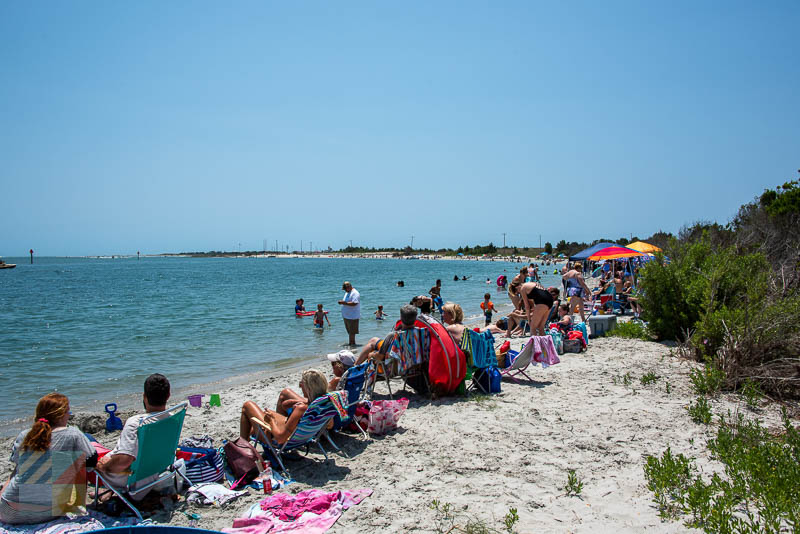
(243, 459)
(577, 334)
(202, 464)
(489, 379)
(558, 340)
(361, 417)
(384, 415)
(572, 345)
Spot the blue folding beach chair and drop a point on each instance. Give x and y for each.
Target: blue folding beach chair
(309, 430)
(353, 381)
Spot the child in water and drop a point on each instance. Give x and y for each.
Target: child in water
(379, 315)
(488, 307)
(319, 315)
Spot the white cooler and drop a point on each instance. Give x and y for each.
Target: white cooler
(599, 325)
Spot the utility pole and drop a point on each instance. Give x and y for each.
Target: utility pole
(351, 243)
(412, 242)
(504, 240)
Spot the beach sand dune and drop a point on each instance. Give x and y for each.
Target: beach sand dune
(486, 455)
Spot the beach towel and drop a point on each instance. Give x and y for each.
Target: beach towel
(70, 524)
(483, 355)
(310, 512)
(411, 347)
(544, 351)
(211, 493)
(339, 401)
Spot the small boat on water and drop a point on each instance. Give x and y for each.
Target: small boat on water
(4, 265)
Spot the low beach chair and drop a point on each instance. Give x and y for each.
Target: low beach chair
(480, 345)
(354, 382)
(309, 430)
(158, 437)
(519, 362)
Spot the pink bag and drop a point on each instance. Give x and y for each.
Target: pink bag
(384, 414)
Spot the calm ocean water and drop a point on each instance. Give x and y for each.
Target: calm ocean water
(95, 328)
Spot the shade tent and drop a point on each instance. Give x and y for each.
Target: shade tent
(614, 252)
(584, 254)
(647, 248)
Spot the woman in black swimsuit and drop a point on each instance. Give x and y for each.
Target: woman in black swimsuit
(513, 288)
(537, 302)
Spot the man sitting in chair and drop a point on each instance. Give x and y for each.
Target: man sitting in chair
(377, 348)
(116, 464)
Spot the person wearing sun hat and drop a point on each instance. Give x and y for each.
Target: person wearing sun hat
(340, 362)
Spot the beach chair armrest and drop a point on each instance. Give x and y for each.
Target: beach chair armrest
(263, 424)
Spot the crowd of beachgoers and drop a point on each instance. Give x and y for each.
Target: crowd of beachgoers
(537, 312)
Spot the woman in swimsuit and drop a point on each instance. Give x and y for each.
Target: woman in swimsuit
(576, 288)
(537, 302)
(513, 287)
(290, 409)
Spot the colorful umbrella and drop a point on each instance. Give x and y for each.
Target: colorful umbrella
(612, 253)
(647, 248)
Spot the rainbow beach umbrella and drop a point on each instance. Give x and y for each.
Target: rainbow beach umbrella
(613, 253)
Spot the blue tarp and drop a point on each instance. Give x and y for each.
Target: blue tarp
(583, 254)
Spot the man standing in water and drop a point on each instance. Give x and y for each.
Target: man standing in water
(351, 310)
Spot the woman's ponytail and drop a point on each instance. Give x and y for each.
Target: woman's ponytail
(51, 408)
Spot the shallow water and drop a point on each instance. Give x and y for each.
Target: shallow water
(95, 328)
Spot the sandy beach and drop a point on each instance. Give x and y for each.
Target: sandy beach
(487, 455)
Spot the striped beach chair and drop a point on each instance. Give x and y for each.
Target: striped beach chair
(309, 430)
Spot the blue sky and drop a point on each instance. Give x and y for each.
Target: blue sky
(176, 126)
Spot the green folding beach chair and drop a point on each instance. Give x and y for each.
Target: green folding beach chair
(158, 437)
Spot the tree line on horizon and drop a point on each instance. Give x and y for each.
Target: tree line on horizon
(659, 239)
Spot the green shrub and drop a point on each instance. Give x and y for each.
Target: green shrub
(707, 380)
(649, 378)
(760, 490)
(700, 411)
(751, 392)
(631, 330)
(574, 484)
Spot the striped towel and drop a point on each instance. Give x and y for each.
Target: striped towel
(411, 347)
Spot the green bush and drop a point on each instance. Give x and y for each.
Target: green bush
(631, 330)
(760, 490)
(700, 412)
(699, 280)
(708, 379)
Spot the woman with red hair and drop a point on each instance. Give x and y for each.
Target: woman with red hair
(49, 477)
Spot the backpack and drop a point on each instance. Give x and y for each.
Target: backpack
(243, 459)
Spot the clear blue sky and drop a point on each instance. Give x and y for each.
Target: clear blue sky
(176, 126)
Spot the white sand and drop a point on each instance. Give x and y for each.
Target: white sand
(512, 450)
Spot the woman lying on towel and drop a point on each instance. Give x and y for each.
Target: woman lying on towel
(50, 461)
(290, 409)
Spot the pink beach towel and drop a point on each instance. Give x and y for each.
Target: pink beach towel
(544, 351)
(311, 512)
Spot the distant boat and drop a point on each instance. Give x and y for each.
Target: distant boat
(4, 265)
